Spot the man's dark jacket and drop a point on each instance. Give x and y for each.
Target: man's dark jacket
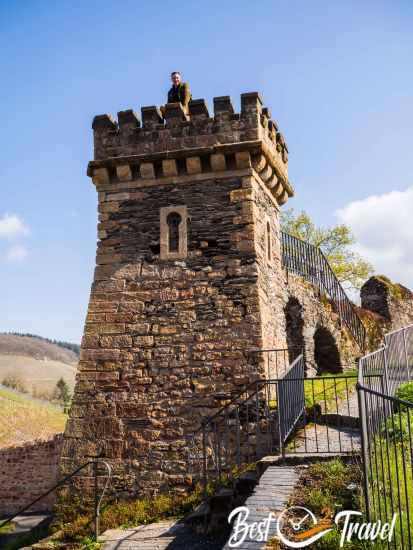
(180, 94)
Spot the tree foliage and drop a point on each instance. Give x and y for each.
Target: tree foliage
(62, 394)
(335, 242)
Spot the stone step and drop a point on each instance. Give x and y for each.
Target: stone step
(24, 524)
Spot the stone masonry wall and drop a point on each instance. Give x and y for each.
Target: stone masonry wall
(162, 339)
(26, 472)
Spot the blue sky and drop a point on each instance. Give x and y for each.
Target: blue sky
(337, 76)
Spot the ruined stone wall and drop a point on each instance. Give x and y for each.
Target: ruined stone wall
(391, 301)
(26, 472)
(319, 327)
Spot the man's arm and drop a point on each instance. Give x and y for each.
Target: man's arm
(186, 94)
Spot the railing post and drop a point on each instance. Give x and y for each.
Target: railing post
(204, 461)
(96, 504)
(364, 450)
(406, 355)
(280, 436)
(386, 370)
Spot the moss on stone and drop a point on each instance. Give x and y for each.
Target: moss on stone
(396, 290)
(376, 326)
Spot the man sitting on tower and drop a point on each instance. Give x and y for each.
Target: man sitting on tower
(179, 93)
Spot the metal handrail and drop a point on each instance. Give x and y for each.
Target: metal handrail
(308, 261)
(248, 399)
(97, 499)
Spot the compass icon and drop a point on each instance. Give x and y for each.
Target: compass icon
(298, 527)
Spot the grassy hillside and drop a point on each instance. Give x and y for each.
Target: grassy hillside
(36, 362)
(23, 418)
(37, 376)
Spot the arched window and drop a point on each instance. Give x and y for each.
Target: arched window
(173, 220)
(173, 232)
(268, 237)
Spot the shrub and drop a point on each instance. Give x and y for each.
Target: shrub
(397, 428)
(405, 392)
(15, 382)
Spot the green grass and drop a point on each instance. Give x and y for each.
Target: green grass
(8, 528)
(25, 419)
(325, 388)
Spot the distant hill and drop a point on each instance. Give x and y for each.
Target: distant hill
(38, 348)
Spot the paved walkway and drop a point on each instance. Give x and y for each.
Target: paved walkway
(270, 495)
(328, 438)
(165, 535)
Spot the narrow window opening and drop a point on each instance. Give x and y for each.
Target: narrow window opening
(268, 242)
(173, 220)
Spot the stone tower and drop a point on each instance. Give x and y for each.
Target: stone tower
(188, 277)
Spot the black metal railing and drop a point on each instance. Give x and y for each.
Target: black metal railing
(387, 435)
(247, 428)
(290, 414)
(291, 399)
(98, 494)
(329, 423)
(308, 261)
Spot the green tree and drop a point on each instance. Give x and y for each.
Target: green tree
(335, 243)
(62, 394)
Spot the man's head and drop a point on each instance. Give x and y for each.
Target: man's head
(176, 78)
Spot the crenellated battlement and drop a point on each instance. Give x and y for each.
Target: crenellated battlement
(169, 142)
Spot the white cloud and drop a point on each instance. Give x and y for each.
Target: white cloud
(383, 228)
(16, 253)
(11, 226)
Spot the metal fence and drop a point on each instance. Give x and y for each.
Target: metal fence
(387, 435)
(291, 401)
(288, 415)
(329, 422)
(309, 262)
(255, 423)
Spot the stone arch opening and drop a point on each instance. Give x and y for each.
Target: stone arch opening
(294, 328)
(326, 352)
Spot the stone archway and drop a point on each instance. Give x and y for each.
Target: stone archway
(326, 352)
(294, 328)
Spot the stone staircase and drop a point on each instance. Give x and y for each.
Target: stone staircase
(266, 487)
